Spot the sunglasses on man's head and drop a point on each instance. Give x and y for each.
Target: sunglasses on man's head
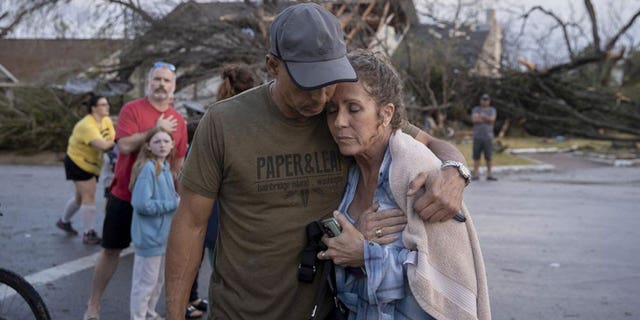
(161, 64)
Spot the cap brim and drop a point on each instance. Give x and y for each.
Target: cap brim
(314, 75)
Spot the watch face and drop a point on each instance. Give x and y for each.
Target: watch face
(465, 171)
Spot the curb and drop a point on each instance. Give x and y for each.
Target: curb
(520, 169)
(538, 150)
(596, 157)
(602, 158)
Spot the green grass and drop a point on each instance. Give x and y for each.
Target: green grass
(499, 158)
(506, 159)
(589, 146)
(536, 142)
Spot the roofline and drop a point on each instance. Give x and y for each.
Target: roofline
(65, 39)
(8, 74)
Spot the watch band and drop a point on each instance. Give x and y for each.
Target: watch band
(462, 170)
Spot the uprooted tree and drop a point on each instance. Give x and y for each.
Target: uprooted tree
(195, 43)
(574, 97)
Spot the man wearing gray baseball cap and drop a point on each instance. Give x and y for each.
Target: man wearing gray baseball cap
(310, 42)
(268, 157)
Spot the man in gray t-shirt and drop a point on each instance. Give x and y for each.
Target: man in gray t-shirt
(483, 117)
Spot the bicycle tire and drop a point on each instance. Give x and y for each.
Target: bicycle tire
(27, 293)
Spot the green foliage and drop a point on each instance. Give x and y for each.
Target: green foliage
(38, 119)
(631, 82)
(439, 81)
(555, 105)
(499, 158)
(632, 68)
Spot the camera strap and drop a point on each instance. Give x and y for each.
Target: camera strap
(338, 311)
(327, 287)
(307, 267)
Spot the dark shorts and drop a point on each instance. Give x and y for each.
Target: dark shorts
(480, 146)
(116, 230)
(76, 173)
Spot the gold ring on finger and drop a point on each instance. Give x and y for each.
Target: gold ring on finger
(379, 233)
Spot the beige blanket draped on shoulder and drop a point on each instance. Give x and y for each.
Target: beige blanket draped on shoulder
(447, 274)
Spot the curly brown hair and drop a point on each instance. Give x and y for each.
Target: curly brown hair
(235, 79)
(380, 80)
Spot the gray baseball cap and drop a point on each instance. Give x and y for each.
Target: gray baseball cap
(310, 41)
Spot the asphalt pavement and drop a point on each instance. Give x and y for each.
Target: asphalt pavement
(562, 244)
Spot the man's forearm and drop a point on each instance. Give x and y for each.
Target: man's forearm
(442, 149)
(183, 257)
(132, 143)
(445, 150)
(443, 196)
(177, 165)
(184, 249)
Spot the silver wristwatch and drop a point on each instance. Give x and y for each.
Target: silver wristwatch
(462, 170)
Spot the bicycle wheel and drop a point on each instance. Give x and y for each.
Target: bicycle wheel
(19, 300)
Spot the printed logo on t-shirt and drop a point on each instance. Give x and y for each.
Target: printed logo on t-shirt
(294, 172)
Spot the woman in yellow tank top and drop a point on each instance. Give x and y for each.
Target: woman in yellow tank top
(91, 136)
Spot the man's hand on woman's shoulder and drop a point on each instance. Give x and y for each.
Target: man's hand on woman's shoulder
(443, 196)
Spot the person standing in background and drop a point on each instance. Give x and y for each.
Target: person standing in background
(136, 118)
(236, 78)
(91, 136)
(483, 117)
(154, 199)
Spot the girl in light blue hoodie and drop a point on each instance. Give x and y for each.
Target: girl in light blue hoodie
(154, 199)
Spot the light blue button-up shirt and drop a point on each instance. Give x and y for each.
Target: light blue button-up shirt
(384, 293)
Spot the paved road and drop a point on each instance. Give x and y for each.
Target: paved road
(557, 245)
(31, 199)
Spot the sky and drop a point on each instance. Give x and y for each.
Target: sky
(611, 14)
(82, 19)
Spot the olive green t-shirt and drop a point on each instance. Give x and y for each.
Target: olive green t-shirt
(272, 176)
